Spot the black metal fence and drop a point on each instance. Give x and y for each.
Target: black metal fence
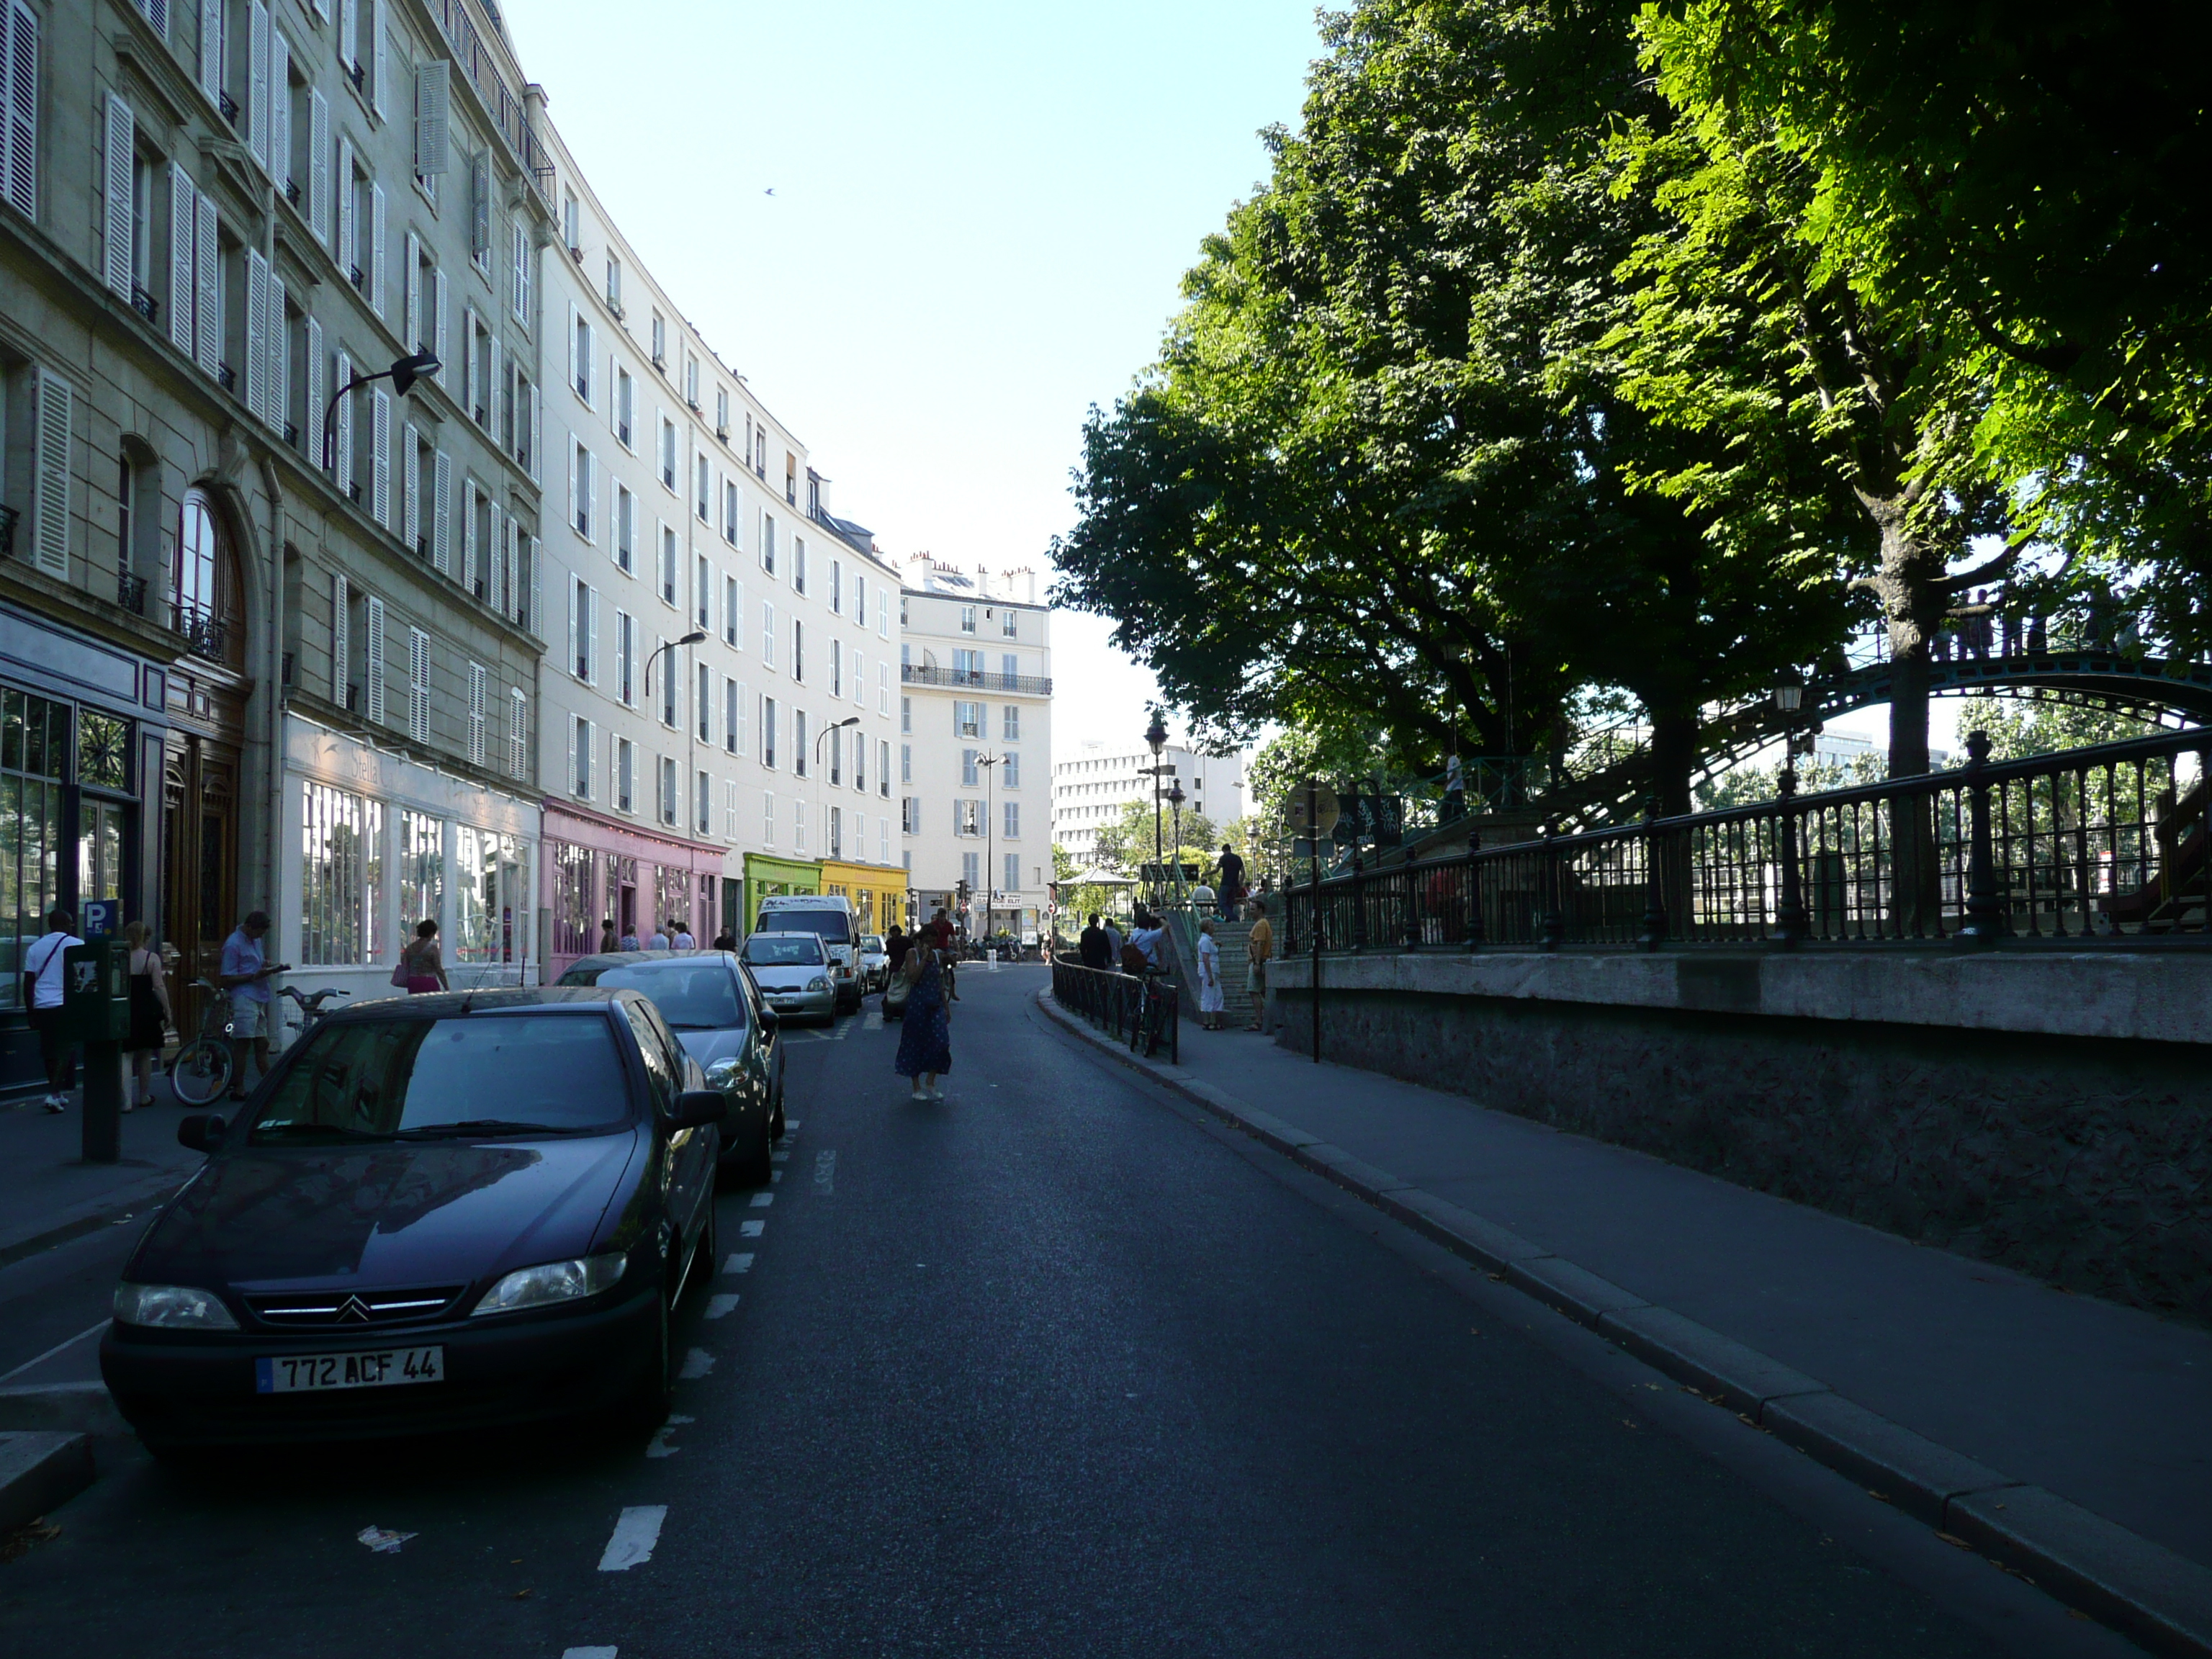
(2092, 844)
(1145, 1013)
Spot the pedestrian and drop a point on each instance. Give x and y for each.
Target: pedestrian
(1211, 1001)
(629, 937)
(660, 936)
(1232, 881)
(1455, 788)
(895, 946)
(925, 1050)
(42, 996)
(1114, 940)
(245, 973)
(151, 1013)
(607, 939)
(939, 932)
(1150, 931)
(423, 962)
(683, 941)
(1091, 947)
(1259, 952)
(726, 940)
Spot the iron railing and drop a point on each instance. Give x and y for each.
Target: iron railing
(1144, 1013)
(931, 674)
(130, 592)
(2092, 844)
(205, 634)
(508, 112)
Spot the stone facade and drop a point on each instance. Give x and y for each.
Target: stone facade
(2035, 1109)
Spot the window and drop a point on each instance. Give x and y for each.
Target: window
(613, 283)
(341, 906)
(1009, 667)
(722, 413)
(967, 667)
(884, 768)
(479, 717)
(581, 467)
(625, 774)
(421, 869)
(667, 565)
(730, 511)
(1013, 870)
(883, 614)
(906, 762)
(703, 490)
(970, 777)
(517, 732)
(768, 819)
(767, 736)
(798, 564)
(691, 381)
(798, 751)
(968, 819)
(967, 618)
(1012, 829)
(702, 593)
(582, 618)
(837, 837)
(667, 453)
(883, 687)
(968, 719)
(625, 526)
(768, 634)
(1009, 723)
(580, 745)
(702, 804)
(1006, 626)
(971, 871)
(798, 649)
(626, 657)
(418, 685)
(905, 714)
(1010, 770)
(659, 342)
(837, 586)
(836, 668)
(667, 685)
(733, 608)
(910, 816)
(732, 704)
(836, 756)
(668, 788)
(626, 410)
(861, 761)
(572, 219)
(702, 704)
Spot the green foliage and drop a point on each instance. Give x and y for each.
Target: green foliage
(2019, 727)
(1125, 844)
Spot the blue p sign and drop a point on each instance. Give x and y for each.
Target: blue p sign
(99, 918)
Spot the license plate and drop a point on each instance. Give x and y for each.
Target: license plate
(381, 1369)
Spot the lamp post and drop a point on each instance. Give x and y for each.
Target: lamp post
(821, 737)
(1789, 925)
(693, 638)
(1175, 799)
(403, 375)
(990, 764)
(1156, 735)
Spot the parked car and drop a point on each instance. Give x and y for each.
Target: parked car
(716, 1012)
(875, 969)
(830, 915)
(792, 972)
(437, 1213)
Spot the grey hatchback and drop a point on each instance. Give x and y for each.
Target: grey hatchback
(717, 1015)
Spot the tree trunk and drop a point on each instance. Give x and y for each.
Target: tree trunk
(1674, 757)
(1910, 581)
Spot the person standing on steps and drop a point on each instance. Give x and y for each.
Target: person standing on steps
(244, 975)
(151, 1013)
(1210, 998)
(925, 1050)
(1232, 881)
(1259, 951)
(42, 996)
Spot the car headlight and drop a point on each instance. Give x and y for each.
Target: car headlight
(819, 982)
(555, 1281)
(723, 1073)
(174, 1307)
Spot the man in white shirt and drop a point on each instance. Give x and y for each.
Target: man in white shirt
(683, 940)
(659, 940)
(42, 997)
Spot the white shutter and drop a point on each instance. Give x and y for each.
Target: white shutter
(51, 537)
(418, 685)
(349, 246)
(537, 425)
(257, 332)
(518, 236)
(341, 636)
(376, 249)
(380, 456)
(311, 418)
(410, 487)
(280, 109)
(379, 58)
(433, 116)
(118, 216)
(517, 733)
(411, 294)
(574, 334)
(318, 165)
(372, 695)
(280, 356)
(575, 482)
(19, 121)
(569, 780)
(207, 287)
(184, 212)
(495, 560)
(211, 47)
(341, 374)
(349, 34)
(469, 537)
(476, 714)
(492, 399)
(257, 80)
(744, 737)
(480, 207)
(575, 621)
(441, 513)
(438, 322)
(537, 587)
(469, 361)
(591, 640)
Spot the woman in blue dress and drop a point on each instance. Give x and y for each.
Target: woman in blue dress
(925, 1050)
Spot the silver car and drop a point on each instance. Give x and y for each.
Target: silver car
(791, 972)
(875, 963)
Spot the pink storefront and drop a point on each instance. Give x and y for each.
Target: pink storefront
(603, 869)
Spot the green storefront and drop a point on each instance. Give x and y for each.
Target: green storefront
(770, 877)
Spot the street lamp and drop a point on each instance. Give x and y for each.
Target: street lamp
(1175, 799)
(693, 638)
(1156, 735)
(989, 762)
(403, 375)
(821, 737)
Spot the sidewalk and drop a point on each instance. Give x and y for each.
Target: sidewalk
(48, 1195)
(1925, 1376)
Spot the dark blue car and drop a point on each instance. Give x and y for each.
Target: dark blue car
(438, 1212)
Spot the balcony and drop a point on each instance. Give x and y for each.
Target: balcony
(228, 106)
(8, 516)
(130, 592)
(204, 634)
(145, 304)
(227, 376)
(1031, 685)
(292, 192)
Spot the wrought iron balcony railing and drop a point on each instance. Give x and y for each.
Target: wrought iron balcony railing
(1035, 685)
(130, 592)
(205, 634)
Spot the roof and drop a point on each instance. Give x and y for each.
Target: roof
(627, 958)
(452, 1004)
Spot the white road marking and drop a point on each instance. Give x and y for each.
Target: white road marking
(779, 1157)
(634, 1535)
(791, 1123)
(874, 1022)
(762, 1200)
(588, 1653)
(696, 1364)
(825, 1172)
(775, 1176)
(660, 1446)
(750, 1230)
(717, 1306)
(739, 1263)
(56, 1349)
(383, 1540)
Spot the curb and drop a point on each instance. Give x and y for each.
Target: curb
(2143, 1589)
(39, 1472)
(79, 1409)
(109, 1208)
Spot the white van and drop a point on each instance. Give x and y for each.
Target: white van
(831, 915)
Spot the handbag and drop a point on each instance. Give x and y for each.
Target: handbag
(399, 975)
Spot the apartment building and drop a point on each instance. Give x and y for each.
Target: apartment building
(975, 745)
(261, 671)
(718, 703)
(1094, 788)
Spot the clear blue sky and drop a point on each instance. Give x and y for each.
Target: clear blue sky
(981, 213)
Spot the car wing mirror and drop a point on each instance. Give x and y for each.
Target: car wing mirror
(696, 1107)
(770, 1020)
(202, 1132)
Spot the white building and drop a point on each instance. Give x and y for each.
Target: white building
(975, 744)
(690, 781)
(1092, 790)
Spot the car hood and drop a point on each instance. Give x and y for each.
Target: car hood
(789, 979)
(707, 1046)
(408, 1213)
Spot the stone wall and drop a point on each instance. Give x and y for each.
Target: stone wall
(2044, 1109)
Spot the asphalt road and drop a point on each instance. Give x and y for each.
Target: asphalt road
(1057, 1367)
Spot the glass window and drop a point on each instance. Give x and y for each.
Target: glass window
(33, 741)
(692, 996)
(490, 878)
(340, 878)
(575, 930)
(421, 869)
(766, 949)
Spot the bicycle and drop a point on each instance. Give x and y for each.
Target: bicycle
(200, 1070)
(312, 1011)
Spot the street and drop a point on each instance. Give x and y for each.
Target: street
(1055, 1367)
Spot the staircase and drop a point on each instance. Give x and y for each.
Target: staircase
(1235, 995)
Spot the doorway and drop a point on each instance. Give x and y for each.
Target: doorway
(199, 864)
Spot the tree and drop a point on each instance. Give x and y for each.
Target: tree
(1383, 477)
(2020, 727)
(1125, 846)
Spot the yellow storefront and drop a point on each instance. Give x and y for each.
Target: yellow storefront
(878, 892)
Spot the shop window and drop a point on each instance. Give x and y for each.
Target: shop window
(34, 741)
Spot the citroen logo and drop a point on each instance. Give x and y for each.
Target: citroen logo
(354, 1309)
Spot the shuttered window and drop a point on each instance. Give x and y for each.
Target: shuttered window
(118, 206)
(341, 638)
(372, 673)
(418, 685)
(517, 733)
(55, 416)
(478, 679)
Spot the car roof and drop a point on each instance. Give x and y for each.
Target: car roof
(625, 958)
(454, 1005)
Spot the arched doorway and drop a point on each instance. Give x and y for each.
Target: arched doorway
(201, 770)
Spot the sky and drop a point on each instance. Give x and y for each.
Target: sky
(981, 214)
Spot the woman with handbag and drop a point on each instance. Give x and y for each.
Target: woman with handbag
(925, 1050)
(151, 1013)
(422, 967)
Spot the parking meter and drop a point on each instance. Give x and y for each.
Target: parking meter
(96, 1011)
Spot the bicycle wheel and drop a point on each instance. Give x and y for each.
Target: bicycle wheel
(201, 1070)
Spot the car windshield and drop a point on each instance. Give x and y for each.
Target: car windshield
(432, 1079)
(778, 951)
(872, 942)
(831, 925)
(692, 996)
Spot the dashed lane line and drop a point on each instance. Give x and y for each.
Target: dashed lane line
(750, 1230)
(720, 1306)
(696, 1364)
(825, 1172)
(762, 1200)
(741, 1263)
(588, 1653)
(635, 1534)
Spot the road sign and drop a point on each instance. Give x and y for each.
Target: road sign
(1325, 808)
(100, 916)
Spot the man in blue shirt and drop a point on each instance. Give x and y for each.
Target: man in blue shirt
(245, 973)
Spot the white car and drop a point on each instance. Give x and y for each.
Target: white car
(791, 973)
(875, 963)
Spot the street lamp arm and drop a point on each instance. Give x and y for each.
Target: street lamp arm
(403, 374)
